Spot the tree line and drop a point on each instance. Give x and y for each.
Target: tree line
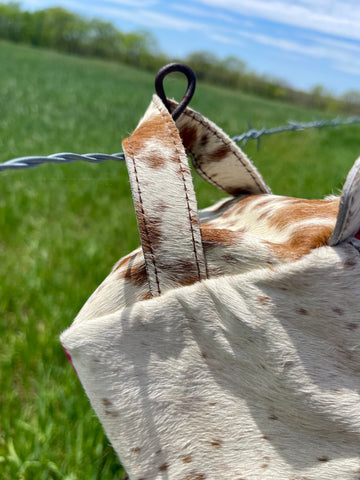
(68, 32)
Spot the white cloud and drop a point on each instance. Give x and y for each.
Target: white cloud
(202, 12)
(135, 3)
(341, 55)
(161, 20)
(333, 17)
(335, 43)
(135, 12)
(353, 69)
(90, 5)
(225, 39)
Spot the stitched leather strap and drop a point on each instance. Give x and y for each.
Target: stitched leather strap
(165, 202)
(216, 157)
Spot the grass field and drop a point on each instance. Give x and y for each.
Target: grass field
(63, 227)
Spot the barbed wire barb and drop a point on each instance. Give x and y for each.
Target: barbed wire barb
(251, 134)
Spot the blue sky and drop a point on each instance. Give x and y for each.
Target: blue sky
(304, 42)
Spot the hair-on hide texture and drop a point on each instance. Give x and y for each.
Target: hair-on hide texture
(228, 345)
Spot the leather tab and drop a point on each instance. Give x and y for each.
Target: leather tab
(216, 157)
(165, 202)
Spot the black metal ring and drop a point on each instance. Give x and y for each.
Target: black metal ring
(159, 87)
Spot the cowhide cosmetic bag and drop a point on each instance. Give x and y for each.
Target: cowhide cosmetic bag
(227, 347)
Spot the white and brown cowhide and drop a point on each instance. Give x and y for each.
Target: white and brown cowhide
(234, 355)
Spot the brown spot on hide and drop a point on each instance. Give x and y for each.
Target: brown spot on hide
(158, 451)
(230, 259)
(213, 237)
(124, 261)
(204, 140)
(155, 232)
(264, 465)
(148, 130)
(303, 311)
(150, 230)
(296, 210)
(111, 413)
(311, 237)
(273, 417)
(182, 272)
(352, 326)
(219, 153)
(133, 268)
(285, 212)
(194, 475)
(163, 467)
(263, 299)
(135, 450)
(106, 402)
(217, 443)
(186, 458)
(136, 274)
(265, 437)
(147, 296)
(304, 237)
(162, 207)
(324, 458)
(338, 311)
(350, 262)
(188, 135)
(301, 242)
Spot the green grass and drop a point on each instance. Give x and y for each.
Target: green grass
(63, 227)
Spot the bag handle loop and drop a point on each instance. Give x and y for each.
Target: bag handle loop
(162, 187)
(159, 87)
(214, 155)
(165, 202)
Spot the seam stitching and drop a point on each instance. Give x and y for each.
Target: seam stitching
(164, 115)
(212, 130)
(144, 221)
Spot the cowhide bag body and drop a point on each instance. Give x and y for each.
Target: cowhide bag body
(228, 345)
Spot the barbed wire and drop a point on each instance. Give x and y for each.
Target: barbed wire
(251, 134)
(31, 162)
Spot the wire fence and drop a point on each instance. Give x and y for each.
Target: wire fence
(252, 134)
(293, 126)
(60, 158)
